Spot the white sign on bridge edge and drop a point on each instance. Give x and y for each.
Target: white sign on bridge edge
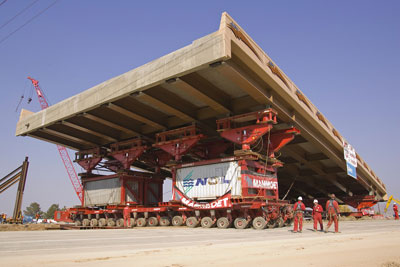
(351, 159)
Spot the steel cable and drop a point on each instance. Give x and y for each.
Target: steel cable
(31, 19)
(19, 13)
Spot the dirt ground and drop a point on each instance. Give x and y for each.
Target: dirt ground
(360, 243)
(28, 227)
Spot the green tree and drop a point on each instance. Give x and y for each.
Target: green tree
(32, 209)
(50, 212)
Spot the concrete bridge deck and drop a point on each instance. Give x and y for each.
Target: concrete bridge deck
(224, 73)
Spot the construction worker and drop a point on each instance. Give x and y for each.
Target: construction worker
(332, 209)
(37, 216)
(317, 215)
(4, 218)
(127, 216)
(396, 212)
(1, 218)
(299, 209)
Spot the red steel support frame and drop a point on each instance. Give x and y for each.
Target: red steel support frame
(279, 139)
(88, 159)
(128, 151)
(179, 141)
(247, 135)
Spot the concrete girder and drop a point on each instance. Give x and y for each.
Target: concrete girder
(135, 116)
(111, 124)
(87, 130)
(204, 91)
(199, 95)
(170, 109)
(315, 156)
(317, 167)
(41, 135)
(69, 137)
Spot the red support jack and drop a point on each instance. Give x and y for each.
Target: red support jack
(88, 159)
(279, 139)
(177, 142)
(247, 135)
(128, 151)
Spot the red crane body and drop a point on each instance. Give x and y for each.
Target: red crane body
(62, 150)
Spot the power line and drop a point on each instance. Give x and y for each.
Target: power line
(34, 17)
(19, 13)
(3, 2)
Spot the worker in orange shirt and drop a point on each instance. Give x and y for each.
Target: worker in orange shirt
(317, 215)
(396, 212)
(127, 216)
(299, 209)
(332, 209)
(37, 216)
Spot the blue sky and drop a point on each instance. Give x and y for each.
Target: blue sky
(344, 55)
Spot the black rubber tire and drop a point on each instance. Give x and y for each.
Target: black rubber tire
(240, 223)
(111, 222)
(120, 223)
(141, 222)
(177, 221)
(152, 221)
(288, 222)
(94, 222)
(259, 223)
(164, 221)
(271, 224)
(280, 222)
(85, 222)
(206, 222)
(192, 222)
(78, 223)
(223, 223)
(102, 222)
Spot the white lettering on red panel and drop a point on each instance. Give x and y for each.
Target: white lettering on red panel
(267, 184)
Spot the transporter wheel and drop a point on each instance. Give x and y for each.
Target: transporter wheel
(177, 221)
(164, 221)
(120, 222)
(141, 222)
(102, 222)
(132, 222)
(78, 223)
(152, 221)
(191, 222)
(206, 222)
(85, 222)
(272, 224)
(94, 222)
(240, 223)
(223, 223)
(288, 222)
(111, 222)
(259, 223)
(280, 222)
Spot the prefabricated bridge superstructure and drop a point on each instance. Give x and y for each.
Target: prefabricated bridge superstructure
(199, 106)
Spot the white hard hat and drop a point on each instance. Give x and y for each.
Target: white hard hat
(315, 200)
(300, 198)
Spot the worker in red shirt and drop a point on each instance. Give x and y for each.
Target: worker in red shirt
(127, 216)
(317, 215)
(332, 209)
(396, 212)
(299, 209)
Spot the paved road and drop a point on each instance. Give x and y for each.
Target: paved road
(42, 244)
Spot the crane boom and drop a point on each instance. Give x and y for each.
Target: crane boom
(62, 150)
